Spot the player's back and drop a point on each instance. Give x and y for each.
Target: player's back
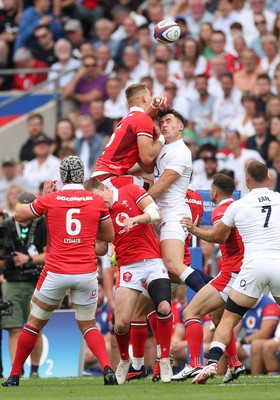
(72, 218)
(121, 153)
(257, 217)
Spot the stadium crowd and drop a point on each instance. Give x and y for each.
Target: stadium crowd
(222, 76)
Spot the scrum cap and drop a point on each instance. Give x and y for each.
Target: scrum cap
(72, 170)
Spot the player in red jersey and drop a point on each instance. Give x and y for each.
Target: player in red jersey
(75, 219)
(213, 296)
(139, 262)
(134, 140)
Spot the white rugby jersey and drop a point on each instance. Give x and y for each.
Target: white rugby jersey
(175, 156)
(257, 217)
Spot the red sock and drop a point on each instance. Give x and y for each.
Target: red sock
(139, 335)
(123, 344)
(164, 325)
(152, 318)
(96, 344)
(232, 352)
(194, 335)
(26, 343)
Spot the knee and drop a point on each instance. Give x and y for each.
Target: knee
(164, 308)
(122, 325)
(270, 347)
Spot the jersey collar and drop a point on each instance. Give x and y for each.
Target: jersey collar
(226, 200)
(73, 186)
(115, 195)
(134, 108)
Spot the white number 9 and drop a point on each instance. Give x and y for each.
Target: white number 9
(76, 223)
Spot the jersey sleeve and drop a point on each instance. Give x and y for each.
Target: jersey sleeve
(38, 206)
(144, 126)
(229, 215)
(138, 192)
(271, 311)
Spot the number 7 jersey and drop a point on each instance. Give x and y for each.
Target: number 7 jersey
(257, 218)
(72, 217)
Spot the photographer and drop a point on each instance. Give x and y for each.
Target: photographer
(23, 249)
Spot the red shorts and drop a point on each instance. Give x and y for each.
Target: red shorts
(223, 283)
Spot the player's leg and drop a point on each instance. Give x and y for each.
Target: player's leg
(237, 305)
(257, 361)
(205, 301)
(269, 353)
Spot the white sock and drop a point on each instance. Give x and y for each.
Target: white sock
(137, 363)
(185, 274)
(158, 351)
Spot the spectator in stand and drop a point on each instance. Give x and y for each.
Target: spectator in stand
(23, 59)
(218, 42)
(44, 166)
(87, 85)
(229, 105)
(276, 166)
(103, 30)
(146, 43)
(201, 110)
(35, 128)
(104, 58)
(218, 65)
(104, 125)
(88, 13)
(191, 50)
(6, 81)
(8, 23)
(239, 45)
(210, 168)
(259, 323)
(10, 177)
(86, 49)
(264, 91)
(238, 156)
(155, 14)
(276, 28)
(272, 178)
(43, 48)
(262, 138)
(205, 35)
(176, 100)
(197, 16)
(186, 86)
(90, 145)
(64, 136)
(66, 64)
(270, 47)
(131, 39)
(226, 16)
(274, 127)
(273, 106)
(163, 52)
(246, 79)
(137, 68)
(260, 24)
(160, 69)
(244, 123)
(12, 194)
(115, 106)
(32, 17)
(75, 34)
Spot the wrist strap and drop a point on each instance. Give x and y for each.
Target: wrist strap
(161, 139)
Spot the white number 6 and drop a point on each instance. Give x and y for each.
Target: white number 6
(73, 222)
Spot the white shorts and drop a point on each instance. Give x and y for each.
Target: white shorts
(169, 226)
(51, 288)
(133, 276)
(256, 274)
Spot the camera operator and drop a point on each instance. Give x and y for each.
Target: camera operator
(23, 252)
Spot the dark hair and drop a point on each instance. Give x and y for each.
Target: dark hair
(167, 111)
(264, 76)
(228, 172)
(257, 171)
(224, 183)
(226, 74)
(260, 114)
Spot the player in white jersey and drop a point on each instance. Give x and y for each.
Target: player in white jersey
(172, 173)
(257, 218)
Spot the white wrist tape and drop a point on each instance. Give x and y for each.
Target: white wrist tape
(161, 139)
(153, 212)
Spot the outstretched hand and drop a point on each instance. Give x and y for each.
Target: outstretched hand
(187, 223)
(49, 186)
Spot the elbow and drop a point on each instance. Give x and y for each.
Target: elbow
(18, 216)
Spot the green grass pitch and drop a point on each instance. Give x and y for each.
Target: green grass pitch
(245, 388)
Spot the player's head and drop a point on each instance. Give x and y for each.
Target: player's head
(95, 186)
(171, 124)
(256, 175)
(222, 187)
(72, 170)
(138, 94)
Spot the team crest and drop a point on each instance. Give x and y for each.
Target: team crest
(127, 276)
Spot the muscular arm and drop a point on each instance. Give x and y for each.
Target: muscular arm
(167, 178)
(219, 233)
(146, 217)
(106, 230)
(148, 149)
(267, 328)
(24, 214)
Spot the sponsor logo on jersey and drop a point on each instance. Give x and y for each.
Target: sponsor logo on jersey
(127, 276)
(74, 198)
(120, 218)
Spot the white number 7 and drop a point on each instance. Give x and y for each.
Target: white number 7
(73, 222)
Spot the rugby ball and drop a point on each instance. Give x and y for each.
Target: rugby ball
(167, 32)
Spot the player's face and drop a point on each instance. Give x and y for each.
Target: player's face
(106, 195)
(171, 127)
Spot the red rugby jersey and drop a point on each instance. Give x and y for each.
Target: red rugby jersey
(72, 218)
(139, 242)
(233, 249)
(121, 153)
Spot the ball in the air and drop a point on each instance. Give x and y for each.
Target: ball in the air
(167, 32)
